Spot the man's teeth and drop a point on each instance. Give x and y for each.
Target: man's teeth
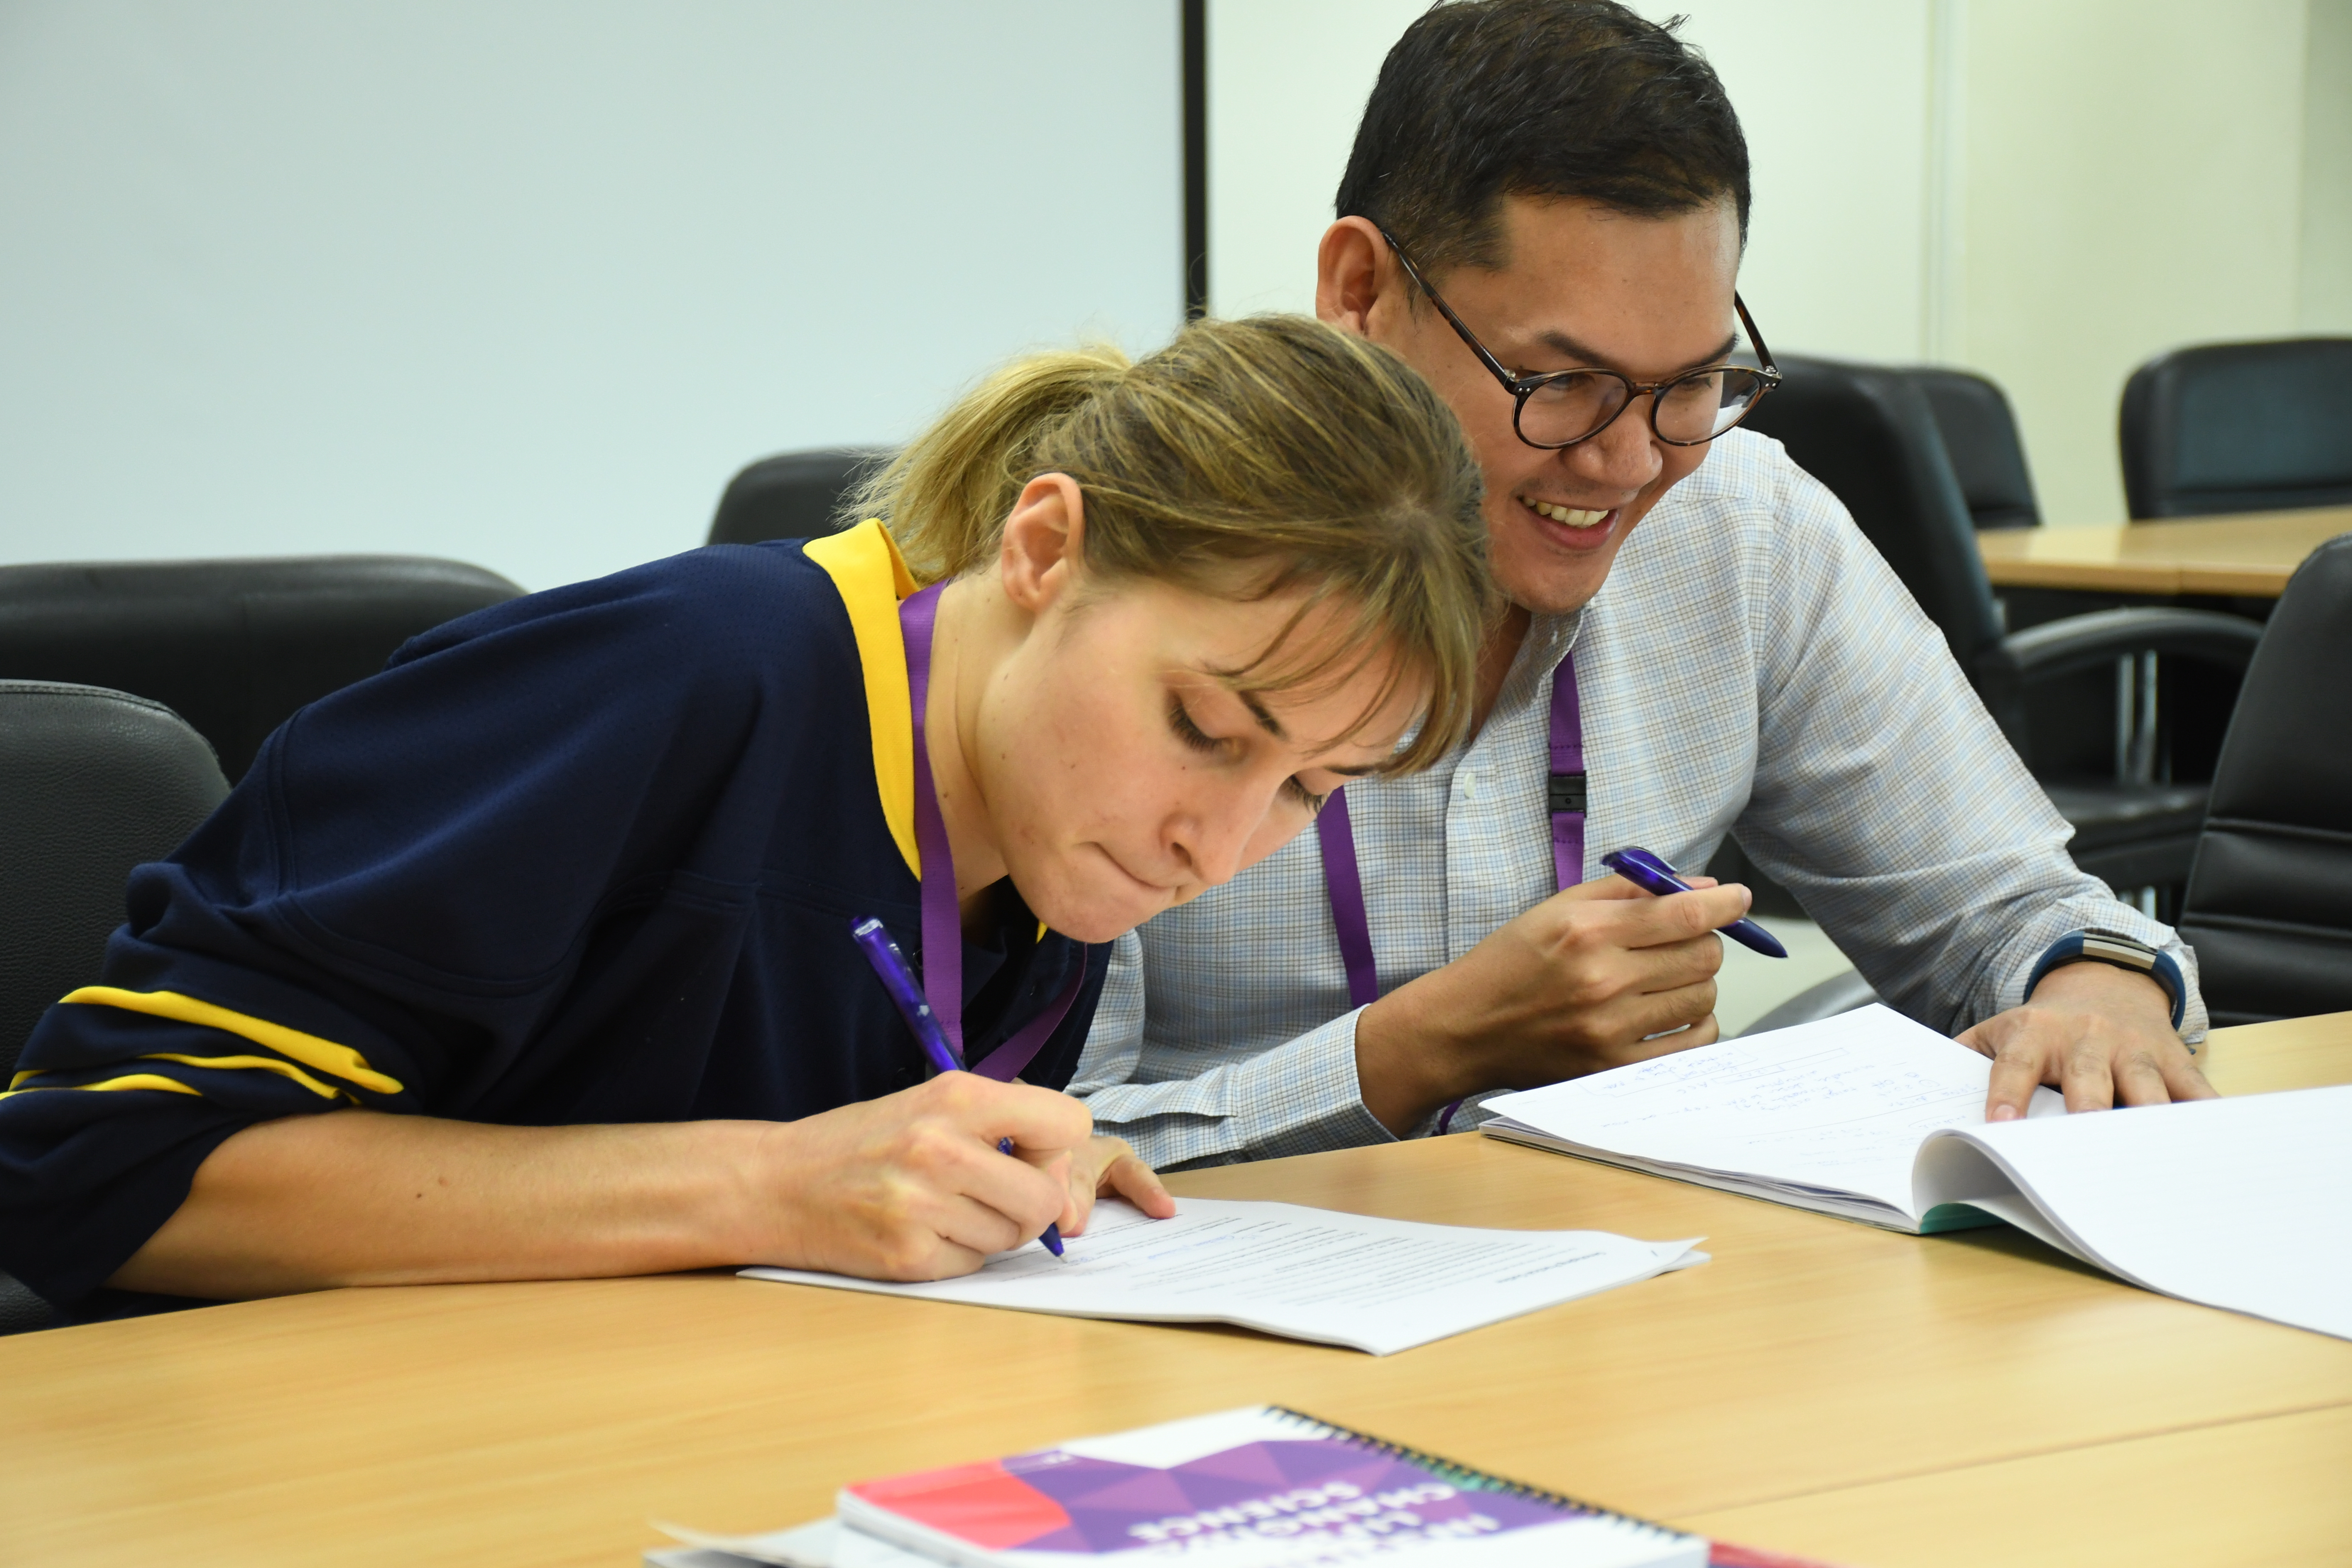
(1567, 514)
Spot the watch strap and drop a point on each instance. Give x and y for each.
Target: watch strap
(2124, 952)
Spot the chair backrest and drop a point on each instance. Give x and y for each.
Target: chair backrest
(2239, 428)
(1979, 431)
(92, 783)
(792, 495)
(232, 646)
(1868, 433)
(2269, 904)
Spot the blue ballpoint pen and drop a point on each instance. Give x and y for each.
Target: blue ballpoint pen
(890, 966)
(1653, 875)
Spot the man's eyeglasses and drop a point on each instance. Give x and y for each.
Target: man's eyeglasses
(1563, 407)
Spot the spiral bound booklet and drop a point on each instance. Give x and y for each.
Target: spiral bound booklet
(1255, 1488)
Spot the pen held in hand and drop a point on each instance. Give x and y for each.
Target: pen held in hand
(1653, 875)
(890, 967)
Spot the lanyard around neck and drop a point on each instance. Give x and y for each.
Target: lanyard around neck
(1564, 799)
(942, 920)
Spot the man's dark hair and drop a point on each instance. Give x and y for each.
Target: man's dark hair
(1486, 98)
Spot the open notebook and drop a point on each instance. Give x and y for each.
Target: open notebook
(2235, 1203)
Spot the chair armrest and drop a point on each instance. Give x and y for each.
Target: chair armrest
(2088, 642)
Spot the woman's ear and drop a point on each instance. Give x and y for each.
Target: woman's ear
(1348, 274)
(1042, 552)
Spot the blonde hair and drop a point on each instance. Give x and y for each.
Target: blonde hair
(1246, 459)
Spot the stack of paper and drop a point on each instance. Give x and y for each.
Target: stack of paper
(1373, 1285)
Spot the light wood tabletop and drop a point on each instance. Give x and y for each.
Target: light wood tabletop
(1820, 1386)
(2251, 556)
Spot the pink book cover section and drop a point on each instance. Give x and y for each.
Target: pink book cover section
(1056, 1502)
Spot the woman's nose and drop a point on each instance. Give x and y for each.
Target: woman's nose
(1214, 837)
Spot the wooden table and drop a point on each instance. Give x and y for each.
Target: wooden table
(2251, 556)
(1820, 1387)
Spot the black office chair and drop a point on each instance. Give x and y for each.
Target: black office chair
(92, 783)
(792, 495)
(1870, 434)
(232, 646)
(2269, 906)
(1979, 432)
(2239, 428)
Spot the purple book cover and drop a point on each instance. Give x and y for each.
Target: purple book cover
(1257, 1487)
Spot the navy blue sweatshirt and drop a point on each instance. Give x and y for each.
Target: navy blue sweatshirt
(591, 856)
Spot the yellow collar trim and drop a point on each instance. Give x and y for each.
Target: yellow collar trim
(871, 577)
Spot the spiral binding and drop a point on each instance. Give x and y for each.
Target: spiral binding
(1462, 1475)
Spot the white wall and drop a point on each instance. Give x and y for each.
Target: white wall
(524, 283)
(2134, 182)
(1287, 80)
(2049, 194)
(2324, 304)
(1834, 96)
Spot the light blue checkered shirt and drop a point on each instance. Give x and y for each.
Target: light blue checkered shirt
(1750, 662)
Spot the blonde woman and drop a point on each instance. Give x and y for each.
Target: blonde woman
(532, 956)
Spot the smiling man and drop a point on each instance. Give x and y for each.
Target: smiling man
(1544, 213)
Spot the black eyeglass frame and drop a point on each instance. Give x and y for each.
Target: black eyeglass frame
(1521, 388)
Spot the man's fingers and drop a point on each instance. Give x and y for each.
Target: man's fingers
(2186, 1080)
(1674, 965)
(1610, 886)
(2139, 1080)
(1679, 917)
(2017, 1072)
(2088, 1077)
(1663, 1023)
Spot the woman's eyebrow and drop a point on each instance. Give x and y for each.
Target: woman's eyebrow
(1258, 711)
(1272, 727)
(1569, 348)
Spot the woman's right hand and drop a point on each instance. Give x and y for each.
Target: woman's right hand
(910, 1186)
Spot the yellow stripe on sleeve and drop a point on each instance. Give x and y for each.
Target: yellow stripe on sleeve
(127, 1080)
(312, 1052)
(262, 1063)
(871, 577)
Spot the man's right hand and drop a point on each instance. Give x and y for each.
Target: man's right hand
(1572, 986)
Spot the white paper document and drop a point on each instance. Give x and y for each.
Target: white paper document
(1826, 1116)
(2243, 1203)
(1373, 1285)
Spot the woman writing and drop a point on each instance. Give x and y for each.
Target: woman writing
(553, 917)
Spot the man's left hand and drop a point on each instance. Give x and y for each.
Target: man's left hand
(2103, 1035)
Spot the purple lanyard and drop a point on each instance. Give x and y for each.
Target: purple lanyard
(943, 922)
(1563, 799)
